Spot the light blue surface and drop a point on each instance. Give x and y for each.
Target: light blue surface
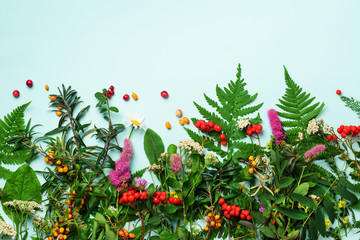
(184, 47)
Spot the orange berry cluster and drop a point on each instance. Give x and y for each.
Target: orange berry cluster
(60, 232)
(213, 221)
(51, 160)
(351, 130)
(124, 234)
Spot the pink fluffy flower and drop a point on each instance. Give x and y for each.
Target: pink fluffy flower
(140, 183)
(314, 152)
(277, 128)
(121, 175)
(175, 161)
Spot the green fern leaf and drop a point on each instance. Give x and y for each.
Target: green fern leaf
(352, 103)
(11, 151)
(5, 173)
(232, 103)
(297, 108)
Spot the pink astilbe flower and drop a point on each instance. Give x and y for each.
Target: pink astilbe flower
(140, 183)
(314, 152)
(121, 175)
(175, 161)
(277, 128)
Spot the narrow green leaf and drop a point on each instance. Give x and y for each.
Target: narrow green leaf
(345, 194)
(285, 182)
(292, 213)
(268, 232)
(320, 221)
(329, 208)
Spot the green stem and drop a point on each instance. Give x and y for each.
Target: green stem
(131, 132)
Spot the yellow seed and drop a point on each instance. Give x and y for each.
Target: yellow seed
(55, 234)
(134, 96)
(181, 122)
(251, 170)
(67, 230)
(212, 223)
(168, 125)
(90, 189)
(209, 214)
(51, 162)
(73, 192)
(65, 237)
(218, 225)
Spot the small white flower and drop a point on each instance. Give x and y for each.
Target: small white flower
(242, 123)
(135, 121)
(300, 135)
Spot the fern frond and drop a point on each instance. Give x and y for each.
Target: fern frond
(5, 173)
(297, 107)
(11, 151)
(352, 103)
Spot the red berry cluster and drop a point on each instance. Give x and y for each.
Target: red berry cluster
(159, 197)
(174, 200)
(256, 128)
(331, 137)
(109, 92)
(348, 131)
(132, 195)
(233, 210)
(210, 127)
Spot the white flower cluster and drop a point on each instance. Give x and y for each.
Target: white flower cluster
(242, 123)
(154, 167)
(7, 229)
(25, 207)
(327, 128)
(210, 159)
(312, 127)
(300, 135)
(190, 146)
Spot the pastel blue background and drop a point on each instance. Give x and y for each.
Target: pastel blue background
(184, 47)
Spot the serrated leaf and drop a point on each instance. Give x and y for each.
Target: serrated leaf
(320, 221)
(329, 208)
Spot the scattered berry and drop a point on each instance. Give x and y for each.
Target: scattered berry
(126, 97)
(181, 122)
(111, 87)
(178, 113)
(224, 143)
(338, 92)
(134, 96)
(29, 83)
(186, 120)
(58, 113)
(47, 87)
(164, 94)
(168, 125)
(16, 93)
(217, 128)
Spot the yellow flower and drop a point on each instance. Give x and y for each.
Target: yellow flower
(342, 204)
(346, 220)
(242, 187)
(172, 193)
(268, 145)
(327, 223)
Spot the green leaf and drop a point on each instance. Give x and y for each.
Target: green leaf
(320, 221)
(166, 235)
(183, 233)
(345, 194)
(172, 148)
(292, 213)
(153, 146)
(114, 109)
(346, 183)
(268, 232)
(329, 208)
(303, 200)
(154, 220)
(292, 235)
(285, 182)
(109, 234)
(172, 182)
(100, 96)
(302, 189)
(171, 208)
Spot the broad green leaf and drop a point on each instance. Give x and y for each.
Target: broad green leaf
(100, 219)
(268, 232)
(109, 234)
(166, 235)
(114, 109)
(171, 208)
(285, 182)
(151, 189)
(153, 146)
(154, 220)
(303, 200)
(172, 182)
(100, 96)
(302, 189)
(292, 235)
(292, 213)
(172, 148)
(183, 233)
(345, 194)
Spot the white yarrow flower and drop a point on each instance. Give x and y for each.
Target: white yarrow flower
(135, 121)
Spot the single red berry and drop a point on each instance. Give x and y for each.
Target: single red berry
(221, 201)
(338, 92)
(126, 97)
(158, 193)
(121, 200)
(171, 200)
(228, 216)
(164, 94)
(156, 200)
(197, 124)
(222, 136)
(125, 198)
(248, 218)
(329, 138)
(249, 132)
(131, 198)
(112, 87)
(228, 208)
(224, 143)
(242, 216)
(112, 92)
(109, 95)
(29, 83)
(211, 124)
(232, 212)
(16, 93)
(137, 195)
(217, 128)
(334, 137)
